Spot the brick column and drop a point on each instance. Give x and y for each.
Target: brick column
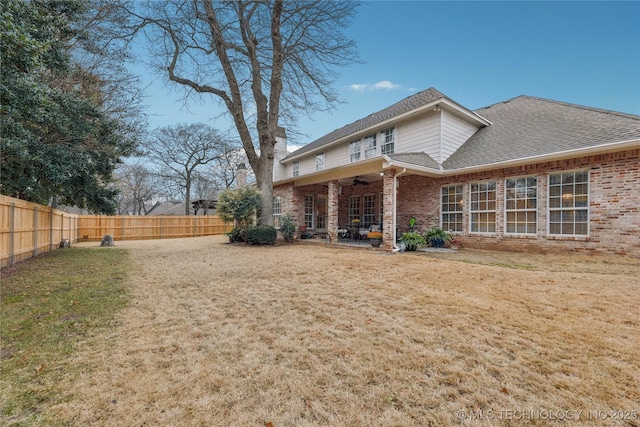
(387, 213)
(332, 211)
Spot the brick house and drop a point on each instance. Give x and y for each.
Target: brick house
(526, 174)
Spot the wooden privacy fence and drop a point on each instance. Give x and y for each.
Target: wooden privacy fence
(28, 229)
(93, 227)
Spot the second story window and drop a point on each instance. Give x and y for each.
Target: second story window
(296, 168)
(388, 145)
(320, 162)
(354, 151)
(370, 146)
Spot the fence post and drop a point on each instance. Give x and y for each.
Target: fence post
(35, 231)
(161, 229)
(50, 229)
(12, 213)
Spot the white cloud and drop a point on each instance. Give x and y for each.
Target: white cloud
(383, 84)
(358, 88)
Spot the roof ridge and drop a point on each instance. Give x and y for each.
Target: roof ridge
(566, 104)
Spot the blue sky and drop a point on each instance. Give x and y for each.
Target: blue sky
(477, 53)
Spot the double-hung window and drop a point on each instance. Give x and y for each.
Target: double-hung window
(370, 146)
(569, 203)
(388, 144)
(451, 207)
(521, 205)
(277, 211)
(483, 207)
(354, 151)
(320, 162)
(296, 168)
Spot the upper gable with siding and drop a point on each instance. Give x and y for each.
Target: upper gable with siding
(437, 127)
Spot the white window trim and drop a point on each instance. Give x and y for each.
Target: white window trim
(296, 168)
(320, 165)
(374, 213)
(506, 211)
(373, 149)
(312, 224)
(471, 211)
(386, 143)
(461, 211)
(587, 208)
(277, 210)
(353, 153)
(350, 216)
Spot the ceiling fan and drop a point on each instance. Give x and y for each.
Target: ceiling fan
(357, 181)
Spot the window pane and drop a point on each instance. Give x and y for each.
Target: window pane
(582, 176)
(567, 178)
(581, 228)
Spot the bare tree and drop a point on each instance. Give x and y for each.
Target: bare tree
(137, 186)
(267, 61)
(182, 148)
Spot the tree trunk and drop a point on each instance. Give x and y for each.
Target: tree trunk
(264, 181)
(187, 203)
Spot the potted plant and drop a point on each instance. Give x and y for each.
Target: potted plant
(375, 238)
(412, 240)
(455, 243)
(437, 237)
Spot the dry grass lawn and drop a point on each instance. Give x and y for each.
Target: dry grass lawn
(310, 335)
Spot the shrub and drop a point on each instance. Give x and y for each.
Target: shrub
(262, 235)
(239, 206)
(236, 235)
(287, 226)
(412, 240)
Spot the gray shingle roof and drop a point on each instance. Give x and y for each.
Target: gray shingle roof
(527, 126)
(414, 101)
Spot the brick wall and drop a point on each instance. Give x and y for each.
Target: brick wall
(614, 204)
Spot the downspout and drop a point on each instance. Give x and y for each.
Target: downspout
(393, 222)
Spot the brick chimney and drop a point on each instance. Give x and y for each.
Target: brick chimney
(241, 175)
